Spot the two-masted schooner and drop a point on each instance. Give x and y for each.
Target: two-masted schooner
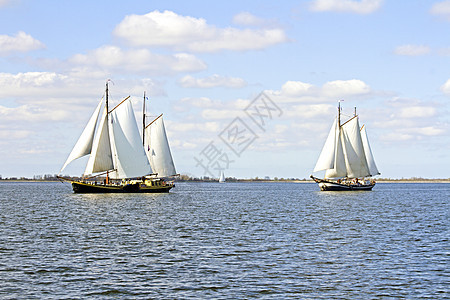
(127, 163)
(346, 158)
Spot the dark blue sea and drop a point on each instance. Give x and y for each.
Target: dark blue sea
(225, 241)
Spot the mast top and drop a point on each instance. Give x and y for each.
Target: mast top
(339, 112)
(106, 97)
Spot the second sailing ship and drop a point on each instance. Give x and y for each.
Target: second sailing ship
(117, 152)
(346, 158)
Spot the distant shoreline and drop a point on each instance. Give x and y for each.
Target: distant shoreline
(381, 181)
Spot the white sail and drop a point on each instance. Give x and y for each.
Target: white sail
(100, 159)
(158, 150)
(327, 156)
(355, 158)
(128, 153)
(222, 177)
(339, 169)
(370, 160)
(84, 144)
(347, 153)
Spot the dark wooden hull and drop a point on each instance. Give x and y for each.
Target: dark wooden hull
(89, 188)
(327, 185)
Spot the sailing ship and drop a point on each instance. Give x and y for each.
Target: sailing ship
(222, 177)
(346, 158)
(115, 149)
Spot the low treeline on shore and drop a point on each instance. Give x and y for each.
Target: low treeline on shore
(187, 178)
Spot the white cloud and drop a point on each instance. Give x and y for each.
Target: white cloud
(441, 9)
(30, 83)
(212, 81)
(297, 91)
(30, 79)
(305, 124)
(403, 102)
(444, 51)
(413, 133)
(113, 58)
(218, 114)
(185, 33)
(31, 113)
(296, 88)
(201, 102)
(396, 137)
(445, 88)
(430, 131)
(204, 108)
(248, 19)
(310, 111)
(351, 6)
(202, 127)
(13, 134)
(412, 50)
(345, 88)
(205, 102)
(417, 112)
(21, 42)
(393, 122)
(39, 108)
(402, 120)
(55, 89)
(7, 2)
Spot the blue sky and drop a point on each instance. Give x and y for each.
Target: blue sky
(203, 63)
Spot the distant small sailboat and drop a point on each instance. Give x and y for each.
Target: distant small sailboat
(116, 149)
(346, 158)
(222, 177)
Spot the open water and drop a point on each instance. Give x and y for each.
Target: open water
(225, 241)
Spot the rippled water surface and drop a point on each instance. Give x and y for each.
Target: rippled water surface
(225, 241)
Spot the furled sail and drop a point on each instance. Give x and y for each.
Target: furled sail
(370, 160)
(128, 153)
(84, 144)
(100, 159)
(157, 148)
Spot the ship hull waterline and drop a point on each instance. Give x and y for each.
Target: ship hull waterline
(87, 188)
(326, 185)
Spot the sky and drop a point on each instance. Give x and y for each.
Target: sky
(247, 87)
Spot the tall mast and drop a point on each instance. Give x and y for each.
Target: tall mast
(339, 113)
(107, 110)
(107, 122)
(143, 122)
